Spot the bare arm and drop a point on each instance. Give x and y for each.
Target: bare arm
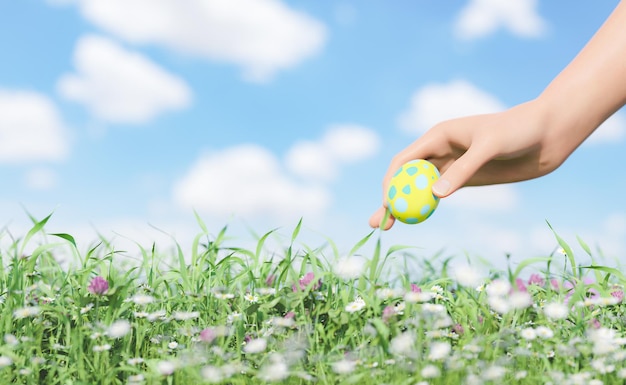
(534, 138)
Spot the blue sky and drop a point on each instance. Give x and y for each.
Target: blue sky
(122, 116)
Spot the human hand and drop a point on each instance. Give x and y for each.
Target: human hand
(514, 145)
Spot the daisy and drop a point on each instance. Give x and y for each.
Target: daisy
(355, 306)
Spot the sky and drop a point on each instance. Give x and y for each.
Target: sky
(123, 118)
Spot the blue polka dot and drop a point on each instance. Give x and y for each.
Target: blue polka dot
(406, 189)
(411, 170)
(392, 192)
(421, 182)
(398, 172)
(401, 205)
(425, 209)
(411, 221)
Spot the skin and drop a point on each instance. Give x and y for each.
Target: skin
(531, 139)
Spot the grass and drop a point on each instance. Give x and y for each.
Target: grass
(302, 315)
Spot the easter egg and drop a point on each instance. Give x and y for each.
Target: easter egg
(409, 197)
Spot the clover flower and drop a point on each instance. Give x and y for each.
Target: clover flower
(98, 286)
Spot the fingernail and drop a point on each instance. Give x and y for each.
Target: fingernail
(441, 187)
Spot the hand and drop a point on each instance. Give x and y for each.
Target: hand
(509, 146)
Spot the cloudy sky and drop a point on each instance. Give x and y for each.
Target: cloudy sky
(123, 117)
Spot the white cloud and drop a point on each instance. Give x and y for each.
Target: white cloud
(481, 18)
(502, 197)
(342, 143)
(435, 103)
(613, 130)
(121, 86)
(261, 36)
(31, 128)
(41, 179)
(247, 180)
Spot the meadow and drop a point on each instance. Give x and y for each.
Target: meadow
(301, 315)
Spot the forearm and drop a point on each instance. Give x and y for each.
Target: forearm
(592, 87)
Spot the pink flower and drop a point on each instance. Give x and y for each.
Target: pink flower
(415, 288)
(208, 335)
(458, 329)
(290, 314)
(98, 286)
(269, 281)
(388, 312)
(536, 279)
(556, 286)
(594, 323)
(619, 294)
(305, 281)
(521, 286)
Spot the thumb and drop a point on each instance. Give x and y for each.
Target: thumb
(460, 172)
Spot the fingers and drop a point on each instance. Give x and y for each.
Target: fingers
(423, 148)
(461, 171)
(377, 219)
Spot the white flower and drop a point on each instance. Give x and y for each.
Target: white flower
(159, 314)
(166, 368)
(439, 351)
(499, 304)
(498, 288)
(85, 309)
(224, 295)
(234, 316)
(118, 329)
(521, 374)
(266, 291)
(402, 344)
(136, 379)
(135, 361)
(10, 339)
(544, 332)
(5, 361)
(276, 370)
(520, 300)
(251, 298)
(433, 308)
(257, 345)
(172, 345)
(184, 315)
(556, 310)
(467, 276)
(102, 348)
(430, 371)
(414, 297)
(283, 322)
(349, 267)
(344, 366)
(142, 299)
(29, 311)
(528, 334)
(388, 293)
(357, 305)
(494, 373)
(212, 374)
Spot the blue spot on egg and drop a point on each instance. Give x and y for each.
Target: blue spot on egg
(399, 171)
(411, 170)
(421, 182)
(425, 209)
(406, 189)
(392, 192)
(411, 221)
(401, 205)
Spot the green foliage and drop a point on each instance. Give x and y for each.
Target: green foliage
(226, 314)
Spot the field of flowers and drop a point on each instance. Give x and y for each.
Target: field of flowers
(300, 316)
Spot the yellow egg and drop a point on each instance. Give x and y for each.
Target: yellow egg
(410, 198)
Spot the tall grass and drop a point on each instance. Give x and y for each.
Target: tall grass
(233, 315)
